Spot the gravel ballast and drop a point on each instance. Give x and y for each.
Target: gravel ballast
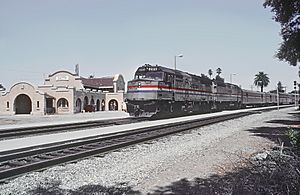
(144, 167)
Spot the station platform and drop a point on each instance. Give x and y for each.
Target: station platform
(21, 121)
(35, 141)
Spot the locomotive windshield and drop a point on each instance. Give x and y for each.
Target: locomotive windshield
(149, 75)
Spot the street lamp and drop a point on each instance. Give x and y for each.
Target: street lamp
(295, 90)
(178, 56)
(231, 74)
(277, 98)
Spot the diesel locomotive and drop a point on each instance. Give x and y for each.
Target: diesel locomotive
(158, 90)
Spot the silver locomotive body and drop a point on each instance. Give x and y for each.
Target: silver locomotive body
(157, 90)
(148, 91)
(160, 90)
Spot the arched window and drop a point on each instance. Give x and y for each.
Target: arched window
(62, 103)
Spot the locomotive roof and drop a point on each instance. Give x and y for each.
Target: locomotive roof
(165, 69)
(157, 68)
(148, 67)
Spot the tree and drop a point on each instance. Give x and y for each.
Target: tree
(261, 79)
(287, 13)
(219, 70)
(1, 87)
(210, 72)
(280, 87)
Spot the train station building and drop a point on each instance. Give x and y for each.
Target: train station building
(64, 92)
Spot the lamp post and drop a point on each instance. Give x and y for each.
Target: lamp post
(295, 90)
(177, 56)
(231, 74)
(277, 98)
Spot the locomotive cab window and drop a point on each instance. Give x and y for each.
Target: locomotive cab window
(150, 75)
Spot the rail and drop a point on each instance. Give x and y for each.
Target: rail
(14, 164)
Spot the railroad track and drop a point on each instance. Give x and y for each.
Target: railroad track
(46, 129)
(26, 131)
(20, 162)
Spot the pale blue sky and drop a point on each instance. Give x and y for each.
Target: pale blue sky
(107, 37)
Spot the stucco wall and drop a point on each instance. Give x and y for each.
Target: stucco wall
(119, 97)
(64, 79)
(58, 93)
(61, 84)
(119, 83)
(36, 97)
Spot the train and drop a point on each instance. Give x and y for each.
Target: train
(160, 91)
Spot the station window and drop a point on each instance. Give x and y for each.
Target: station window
(7, 104)
(38, 104)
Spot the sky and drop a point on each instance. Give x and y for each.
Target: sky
(108, 37)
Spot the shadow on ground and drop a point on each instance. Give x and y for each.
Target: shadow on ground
(54, 189)
(294, 119)
(278, 134)
(275, 134)
(252, 180)
(285, 122)
(273, 174)
(296, 114)
(247, 180)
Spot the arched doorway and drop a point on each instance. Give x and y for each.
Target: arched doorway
(98, 105)
(78, 105)
(103, 105)
(113, 105)
(23, 104)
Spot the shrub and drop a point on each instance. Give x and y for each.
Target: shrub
(294, 136)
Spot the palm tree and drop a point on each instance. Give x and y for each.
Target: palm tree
(261, 79)
(219, 70)
(210, 72)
